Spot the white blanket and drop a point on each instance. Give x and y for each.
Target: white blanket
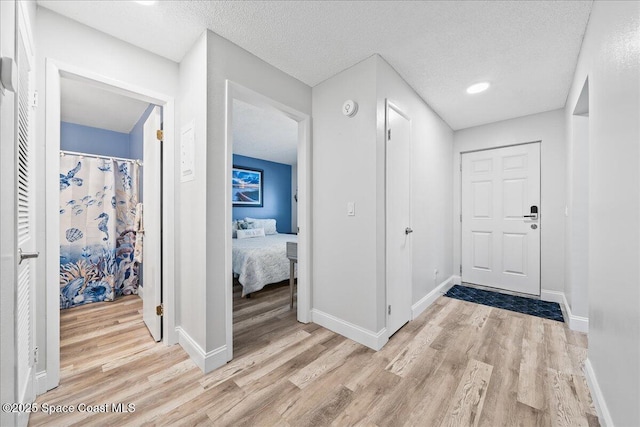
(261, 260)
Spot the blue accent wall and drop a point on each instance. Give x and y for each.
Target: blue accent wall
(277, 192)
(90, 140)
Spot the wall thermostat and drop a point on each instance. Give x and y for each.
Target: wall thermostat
(349, 108)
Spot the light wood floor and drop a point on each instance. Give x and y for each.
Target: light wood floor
(457, 364)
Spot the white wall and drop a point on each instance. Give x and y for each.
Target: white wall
(432, 178)
(549, 128)
(227, 61)
(345, 169)
(610, 58)
(349, 166)
(69, 42)
(191, 202)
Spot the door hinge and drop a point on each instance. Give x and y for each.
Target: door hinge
(34, 100)
(460, 217)
(461, 269)
(389, 134)
(35, 356)
(389, 309)
(159, 310)
(160, 135)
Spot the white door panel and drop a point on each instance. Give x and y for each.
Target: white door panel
(398, 220)
(482, 199)
(500, 244)
(482, 251)
(151, 255)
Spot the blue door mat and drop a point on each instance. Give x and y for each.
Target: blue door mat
(533, 307)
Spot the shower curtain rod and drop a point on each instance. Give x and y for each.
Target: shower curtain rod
(95, 156)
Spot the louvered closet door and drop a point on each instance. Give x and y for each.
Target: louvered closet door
(25, 220)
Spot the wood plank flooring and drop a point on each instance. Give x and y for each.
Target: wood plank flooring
(458, 364)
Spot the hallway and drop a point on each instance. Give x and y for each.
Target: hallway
(456, 362)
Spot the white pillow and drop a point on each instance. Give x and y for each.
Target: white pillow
(248, 234)
(240, 224)
(268, 224)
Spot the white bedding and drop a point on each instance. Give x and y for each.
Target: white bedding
(261, 260)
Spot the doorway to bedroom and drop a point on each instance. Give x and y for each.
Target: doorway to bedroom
(265, 204)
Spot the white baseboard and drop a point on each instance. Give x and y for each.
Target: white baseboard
(360, 335)
(457, 280)
(598, 398)
(206, 361)
(552, 296)
(576, 323)
(427, 300)
(41, 383)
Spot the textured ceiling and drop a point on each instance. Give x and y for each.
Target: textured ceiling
(526, 49)
(264, 134)
(84, 104)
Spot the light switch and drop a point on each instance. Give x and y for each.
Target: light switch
(351, 209)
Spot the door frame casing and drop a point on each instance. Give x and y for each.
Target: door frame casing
(242, 93)
(458, 224)
(55, 70)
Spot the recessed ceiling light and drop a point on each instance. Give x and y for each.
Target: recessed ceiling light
(146, 2)
(478, 87)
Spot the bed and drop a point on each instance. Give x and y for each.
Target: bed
(260, 261)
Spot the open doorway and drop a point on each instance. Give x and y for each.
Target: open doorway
(109, 245)
(94, 236)
(269, 237)
(577, 218)
(264, 183)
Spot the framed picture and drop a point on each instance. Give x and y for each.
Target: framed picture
(246, 187)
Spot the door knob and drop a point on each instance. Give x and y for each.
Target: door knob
(408, 230)
(26, 255)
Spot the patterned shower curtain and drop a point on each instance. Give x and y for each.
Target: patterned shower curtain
(98, 199)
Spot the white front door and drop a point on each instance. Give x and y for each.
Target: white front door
(151, 255)
(501, 218)
(398, 219)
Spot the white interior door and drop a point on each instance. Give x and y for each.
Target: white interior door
(8, 244)
(398, 218)
(151, 255)
(25, 220)
(500, 232)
